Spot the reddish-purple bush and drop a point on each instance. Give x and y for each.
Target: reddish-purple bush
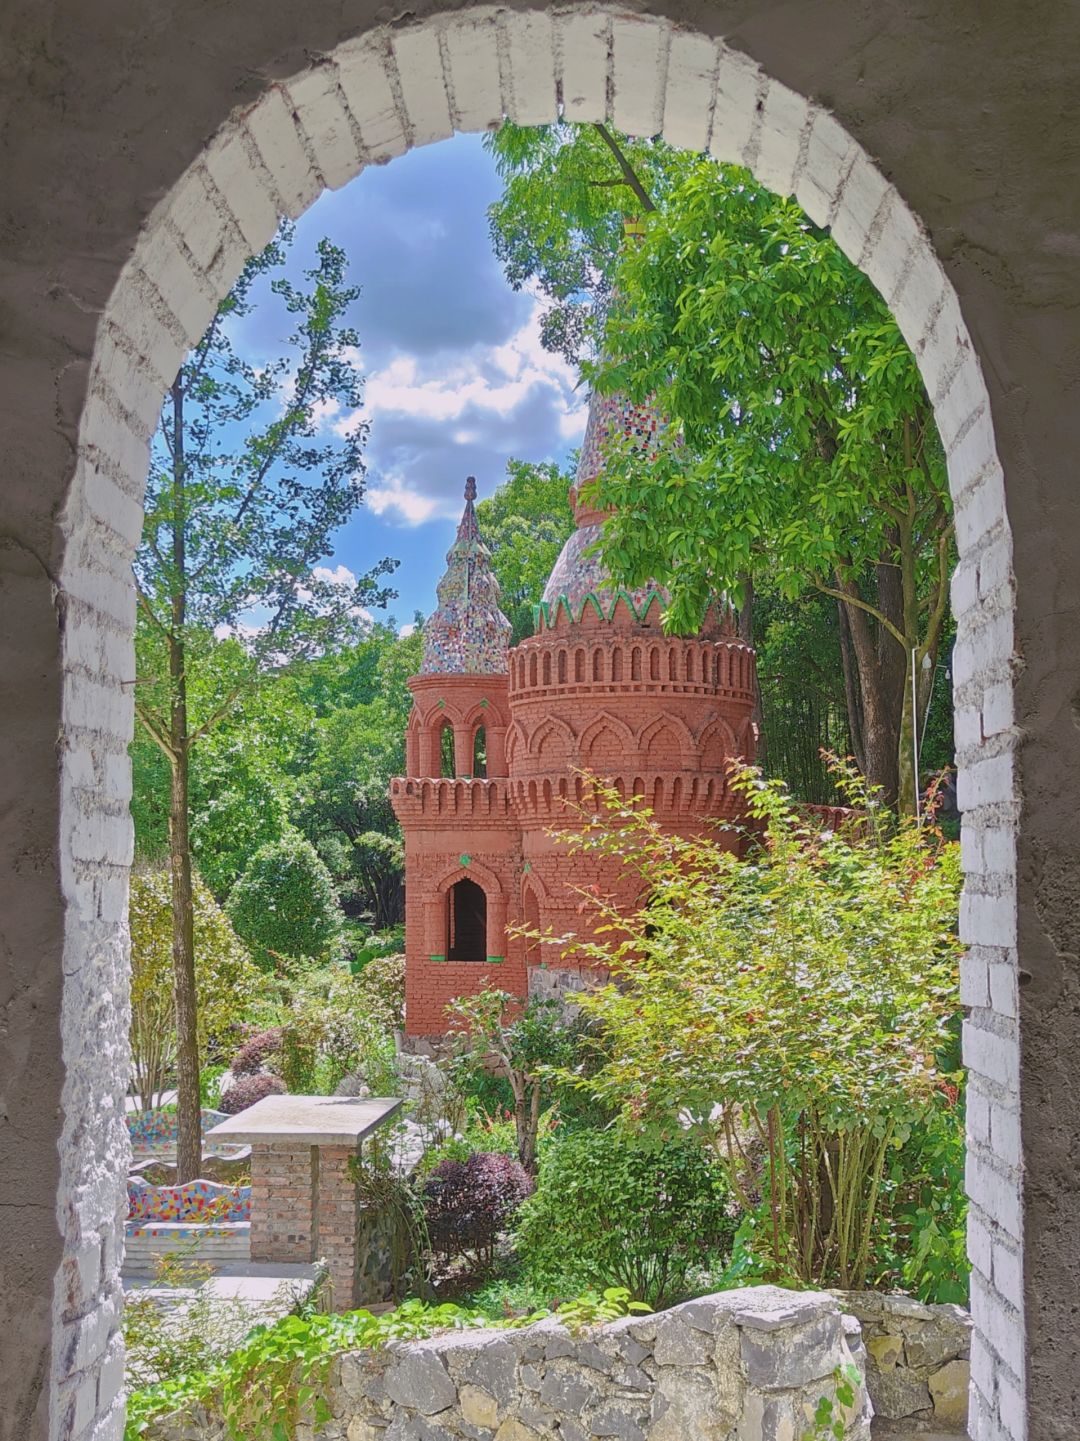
(469, 1203)
(249, 1089)
(253, 1054)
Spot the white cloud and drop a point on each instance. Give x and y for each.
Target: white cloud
(496, 379)
(340, 575)
(394, 496)
(404, 631)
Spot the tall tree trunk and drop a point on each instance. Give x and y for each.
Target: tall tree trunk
(881, 699)
(852, 697)
(189, 1125)
(746, 635)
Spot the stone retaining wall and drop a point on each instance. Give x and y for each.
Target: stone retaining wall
(749, 1365)
(917, 1360)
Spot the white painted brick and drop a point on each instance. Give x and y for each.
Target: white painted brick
(995, 566)
(967, 727)
(979, 1245)
(901, 237)
(999, 850)
(1010, 1407)
(530, 84)
(423, 86)
(919, 297)
(993, 1056)
(136, 386)
(472, 57)
(997, 714)
(101, 591)
(739, 82)
(1003, 989)
(985, 783)
(691, 86)
(102, 433)
(98, 707)
(183, 290)
(1008, 1273)
(974, 980)
(244, 187)
(965, 585)
(365, 82)
(207, 229)
(786, 117)
(983, 1364)
(966, 395)
(979, 509)
(582, 41)
(1005, 1134)
(999, 1322)
(863, 192)
(325, 122)
(153, 331)
(974, 457)
(109, 504)
(977, 1108)
(988, 920)
(99, 648)
(939, 358)
(985, 646)
(117, 780)
(273, 129)
(828, 152)
(639, 60)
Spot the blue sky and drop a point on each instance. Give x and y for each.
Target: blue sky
(456, 381)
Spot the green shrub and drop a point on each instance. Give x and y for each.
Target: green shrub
(379, 987)
(226, 981)
(284, 904)
(792, 1008)
(608, 1211)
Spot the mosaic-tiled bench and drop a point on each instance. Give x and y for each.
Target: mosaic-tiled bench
(151, 1132)
(212, 1222)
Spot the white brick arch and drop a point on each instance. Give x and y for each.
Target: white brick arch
(369, 100)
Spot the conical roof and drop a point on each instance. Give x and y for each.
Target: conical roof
(578, 575)
(467, 634)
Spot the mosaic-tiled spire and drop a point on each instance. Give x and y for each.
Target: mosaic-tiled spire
(467, 634)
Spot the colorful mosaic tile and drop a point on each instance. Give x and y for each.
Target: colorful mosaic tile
(467, 634)
(194, 1201)
(156, 1130)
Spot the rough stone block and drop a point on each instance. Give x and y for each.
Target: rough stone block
(792, 1355)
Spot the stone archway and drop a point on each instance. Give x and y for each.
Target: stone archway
(362, 102)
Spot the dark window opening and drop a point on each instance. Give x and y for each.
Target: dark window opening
(479, 754)
(466, 938)
(446, 751)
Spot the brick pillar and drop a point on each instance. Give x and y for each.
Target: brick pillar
(496, 927)
(463, 750)
(282, 1184)
(496, 752)
(335, 1221)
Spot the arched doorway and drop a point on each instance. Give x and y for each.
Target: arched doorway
(363, 102)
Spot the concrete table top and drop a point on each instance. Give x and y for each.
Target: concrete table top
(308, 1120)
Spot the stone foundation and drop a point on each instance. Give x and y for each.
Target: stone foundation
(918, 1361)
(748, 1365)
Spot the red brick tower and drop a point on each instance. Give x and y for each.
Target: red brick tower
(462, 840)
(598, 688)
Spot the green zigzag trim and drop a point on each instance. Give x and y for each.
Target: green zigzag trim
(550, 610)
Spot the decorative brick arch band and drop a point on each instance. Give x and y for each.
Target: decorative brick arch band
(371, 99)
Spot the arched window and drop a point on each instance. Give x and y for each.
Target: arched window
(532, 669)
(446, 750)
(597, 665)
(466, 922)
(616, 663)
(672, 666)
(547, 667)
(579, 665)
(654, 664)
(562, 667)
(479, 754)
(635, 663)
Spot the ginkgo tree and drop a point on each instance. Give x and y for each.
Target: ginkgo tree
(245, 492)
(801, 440)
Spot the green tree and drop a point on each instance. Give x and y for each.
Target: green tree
(284, 905)
(242, 500)
(525, 525)
(225, 978)
(801, 443)
(788, 1009)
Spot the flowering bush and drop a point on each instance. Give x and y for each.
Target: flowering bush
(468, 1204)
(790, 1010)
(255, 1051)
(249, 1089)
